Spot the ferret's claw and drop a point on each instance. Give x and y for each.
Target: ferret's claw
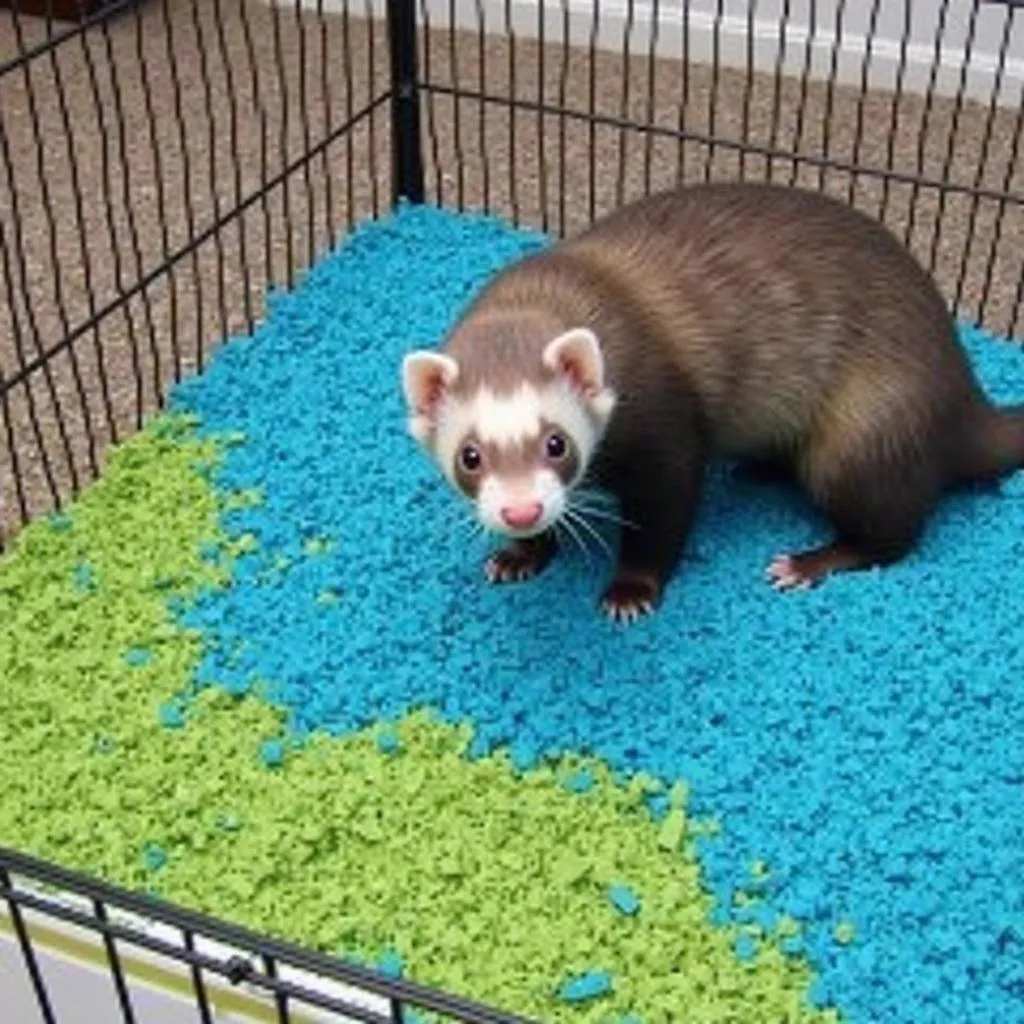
(627, 602)
(503, 570)
(511, 566)
(784, 574)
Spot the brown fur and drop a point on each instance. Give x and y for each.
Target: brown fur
(754, 322)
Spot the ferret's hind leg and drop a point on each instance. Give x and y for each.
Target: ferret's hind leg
(807, 568)
(877, 493)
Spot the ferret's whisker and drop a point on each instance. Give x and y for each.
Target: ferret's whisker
(601, 513)
(580, 539)
(582, 523)
(594, 494)
(574, 534)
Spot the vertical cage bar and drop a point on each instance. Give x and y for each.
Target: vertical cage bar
(259, 107)
(983, 159)
(865, 70)
(29, 954)
(407, 151)
(283, 138)
(12, 455)
(232, 92)
(350, 108)
(133, 230)
(59, 274)
(805, 79)
(953, 137)
(649, 116)
(830, 94)
(87, 268)
(511, 37)
(300, 31)
(30, 398)
(371, 83)
(924, 125)
(780, 61)
(280, 999)
(212, 165)
(542, 170)
(563, 84)
(113, 958)
(997, 234)
(482, 112)
(682, 122)
(592, 109)
(107, 164)
(202, 1000)
(171, 50)
(156, 146)
(714, 93)
(894, 109)
(453, 60)
(624, 103)
(748, 87)
(432, 119)
(328, 124)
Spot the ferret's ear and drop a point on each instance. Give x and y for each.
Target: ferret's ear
(577, 355)
(426, 376)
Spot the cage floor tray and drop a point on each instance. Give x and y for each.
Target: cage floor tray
(256, 669)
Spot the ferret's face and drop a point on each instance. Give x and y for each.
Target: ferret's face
(515, 451)
(515, 455)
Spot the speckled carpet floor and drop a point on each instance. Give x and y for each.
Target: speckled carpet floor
(256, 669)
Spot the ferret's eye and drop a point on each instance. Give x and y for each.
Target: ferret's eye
(470, 458)
(555, 446)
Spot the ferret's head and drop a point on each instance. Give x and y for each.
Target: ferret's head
(513, 426)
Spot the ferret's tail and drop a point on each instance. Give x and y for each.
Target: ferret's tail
(994, 444)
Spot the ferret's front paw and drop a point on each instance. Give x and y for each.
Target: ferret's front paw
(520, 561)
(629, 599)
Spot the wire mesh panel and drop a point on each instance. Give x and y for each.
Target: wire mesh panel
(161, 163)
(556, 111)
(195, 957)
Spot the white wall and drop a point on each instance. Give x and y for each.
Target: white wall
(764, 17)
(885, 21)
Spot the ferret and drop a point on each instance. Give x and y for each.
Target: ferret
(767, 326)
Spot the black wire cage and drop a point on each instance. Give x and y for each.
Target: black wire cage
(164, 164)
(192, 958)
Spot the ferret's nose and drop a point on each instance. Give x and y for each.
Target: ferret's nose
(522, 515)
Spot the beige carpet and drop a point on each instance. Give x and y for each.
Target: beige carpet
(158, 150)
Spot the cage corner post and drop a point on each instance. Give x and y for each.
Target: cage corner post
(407, 152)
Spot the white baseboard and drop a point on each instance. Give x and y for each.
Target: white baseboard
(735, 32)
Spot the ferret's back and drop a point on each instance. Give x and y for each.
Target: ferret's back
(753, 258)
(770, 299)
